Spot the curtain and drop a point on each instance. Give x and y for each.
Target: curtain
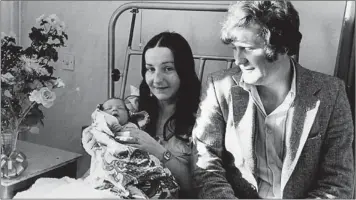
(345, 61)
(10, 18)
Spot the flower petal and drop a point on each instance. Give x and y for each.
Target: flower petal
(7, 93)
(34, 130)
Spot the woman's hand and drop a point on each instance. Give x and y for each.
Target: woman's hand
(142, 140)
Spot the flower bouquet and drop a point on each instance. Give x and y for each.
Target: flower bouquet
(27, 84)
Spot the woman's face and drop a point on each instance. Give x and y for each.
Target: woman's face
(161, 75)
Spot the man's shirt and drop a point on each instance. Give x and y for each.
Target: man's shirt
(269, 140)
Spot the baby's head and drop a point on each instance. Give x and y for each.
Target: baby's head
(117, 108)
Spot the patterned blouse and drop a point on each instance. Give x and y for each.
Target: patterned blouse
(180, 146)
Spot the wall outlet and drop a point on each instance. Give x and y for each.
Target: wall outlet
(66, 61)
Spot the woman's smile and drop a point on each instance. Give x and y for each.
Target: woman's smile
(160, 89)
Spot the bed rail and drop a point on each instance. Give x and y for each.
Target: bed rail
(202, 59)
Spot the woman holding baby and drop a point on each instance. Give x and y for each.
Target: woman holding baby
(169, 92)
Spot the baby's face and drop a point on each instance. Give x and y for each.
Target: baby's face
(116, 108)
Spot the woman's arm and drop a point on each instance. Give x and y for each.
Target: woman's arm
(180, 170)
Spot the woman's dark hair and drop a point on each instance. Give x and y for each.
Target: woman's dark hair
(279, 22)
(188, 93)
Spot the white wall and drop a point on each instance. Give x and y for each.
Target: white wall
(320, 25)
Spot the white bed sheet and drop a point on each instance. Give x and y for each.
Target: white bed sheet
(63, 188)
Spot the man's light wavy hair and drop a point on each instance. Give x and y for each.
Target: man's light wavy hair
(278, 21)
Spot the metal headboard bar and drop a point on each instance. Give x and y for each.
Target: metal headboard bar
(196, 56)
(206, 57)
(145, 5)
(202, 60)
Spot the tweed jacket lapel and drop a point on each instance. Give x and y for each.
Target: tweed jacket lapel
(244, 112)
(305, 108)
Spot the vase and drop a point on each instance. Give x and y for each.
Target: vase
(13, 162)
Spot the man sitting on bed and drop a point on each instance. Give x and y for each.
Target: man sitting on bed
(126, 171)
(271, 128)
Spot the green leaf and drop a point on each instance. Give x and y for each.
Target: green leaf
(55, 55)
(29, 51)
(65, 35)
(34, 117)
(43, 22)
(50, 69)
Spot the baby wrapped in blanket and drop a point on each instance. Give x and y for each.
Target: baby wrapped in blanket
(126, 171)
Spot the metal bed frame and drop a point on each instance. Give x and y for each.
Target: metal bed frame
(115, 74)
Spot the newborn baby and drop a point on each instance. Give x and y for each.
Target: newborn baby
(118, 116)
(121, 169)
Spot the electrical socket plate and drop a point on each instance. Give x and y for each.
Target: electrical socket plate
(66, 61)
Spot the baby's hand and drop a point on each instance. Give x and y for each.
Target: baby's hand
(110, 119)
(112, 122)
(115, 127)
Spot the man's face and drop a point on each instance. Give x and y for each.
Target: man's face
(250, 56)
